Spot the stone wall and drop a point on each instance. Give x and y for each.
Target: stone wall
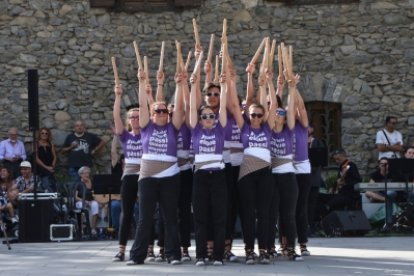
(360, 54)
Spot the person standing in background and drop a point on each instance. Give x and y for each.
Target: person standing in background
(389, 141)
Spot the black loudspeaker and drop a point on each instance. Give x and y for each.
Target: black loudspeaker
(346, 223)
(35, 218)
(33, 98)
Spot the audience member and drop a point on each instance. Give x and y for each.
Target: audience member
(27, 182)
(8, 194)
(343, 196)
(12, 151)
(85, 199)
(81, 146)
(389, 141)
(381, 175)
(46, 159)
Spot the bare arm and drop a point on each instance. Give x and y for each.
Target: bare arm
(250, 88)
(119, 126)
(114, 152)
(193, 102)
(272, 108)
(159, 96)
(301, 109)
(178, 114)
(290, 116)
(223, 101)
(143, 100)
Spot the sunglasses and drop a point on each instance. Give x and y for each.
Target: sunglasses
(133, 117)
(207, 116)
(209, 94)
(44, 133)
(281, 112)
(159, 111)
(258, 115)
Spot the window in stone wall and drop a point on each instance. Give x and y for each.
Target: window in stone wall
(326, 118)
(144, 5)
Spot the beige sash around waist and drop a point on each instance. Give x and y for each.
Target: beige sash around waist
(251, 164)
(150, 168)
(276, 162)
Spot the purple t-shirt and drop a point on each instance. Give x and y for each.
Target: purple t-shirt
(159, 140)
(131, 145)
(208, 141)
(300, 142)
(281, 144)
(184, 138)
(232, 130)
(256, 137)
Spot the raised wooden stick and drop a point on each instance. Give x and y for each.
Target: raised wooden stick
(187, 62)
(137, 55)
(196, 34)
(279, 60)
(210, 49)
(146, 69)
(272, 55)
(291, 59)
(216, 71)
(257, 54)
(161, 66)
(198, 64)
(224, 33)
(178, 47)
(224, 59)
(265, 62)
(115, 70)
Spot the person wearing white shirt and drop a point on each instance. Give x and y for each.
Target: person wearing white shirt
(389, 141)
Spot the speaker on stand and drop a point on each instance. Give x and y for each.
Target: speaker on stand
(33, 107)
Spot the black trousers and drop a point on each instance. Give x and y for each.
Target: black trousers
(129, 192)
(210, 205)
(232, 173)
(185, 217)
(283, 208)
(304, 185)
(166, 191)
(255, 195)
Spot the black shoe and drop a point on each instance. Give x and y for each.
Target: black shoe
(200, 262)
(304, 250)
(264, 257)
(293, 256)
(230, 257)
(132, 262)
(119, 257)
(250, 257)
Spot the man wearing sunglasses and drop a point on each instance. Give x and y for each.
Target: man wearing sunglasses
(389, 141)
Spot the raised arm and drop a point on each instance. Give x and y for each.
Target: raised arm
(119, 126)
(144, 115)
(159, 96)
(178, 114)
(290, 116)
(223, 101)
(272, 108)
(114, 151)
(300, 107)
(193, 118)
(250, 88)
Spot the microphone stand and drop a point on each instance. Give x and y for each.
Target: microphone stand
(386, 227)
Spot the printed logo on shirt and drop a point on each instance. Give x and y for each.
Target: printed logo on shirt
(207, 144)
(133, 149)
(278, 146)
(257, 140)
(158, 142)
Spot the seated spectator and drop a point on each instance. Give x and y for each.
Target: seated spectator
(8, 194)
(26, 182)
(343, 196)
(380, 175)
(12, 151)
(85, 199)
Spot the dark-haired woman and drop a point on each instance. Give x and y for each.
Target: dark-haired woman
(46, 159)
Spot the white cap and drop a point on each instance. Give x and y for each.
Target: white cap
(25, 164)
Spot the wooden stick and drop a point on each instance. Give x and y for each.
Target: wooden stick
(265, 63)
(196, 34)
(178, 47)
(161, 66)
(291, 59)
(210, 49)
(115, 70)
(272, 54)
(279, 60)
(137, 55)
(286, 64)
(224, 59)
(257, 54)
(146, 69)
(198, 64)
(187, 62)
(216, 74)
(224, 33)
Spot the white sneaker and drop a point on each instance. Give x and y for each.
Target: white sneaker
(175, 262)
(200, 262)
(218, 263)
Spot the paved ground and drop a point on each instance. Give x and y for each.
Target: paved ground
(330, 256)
